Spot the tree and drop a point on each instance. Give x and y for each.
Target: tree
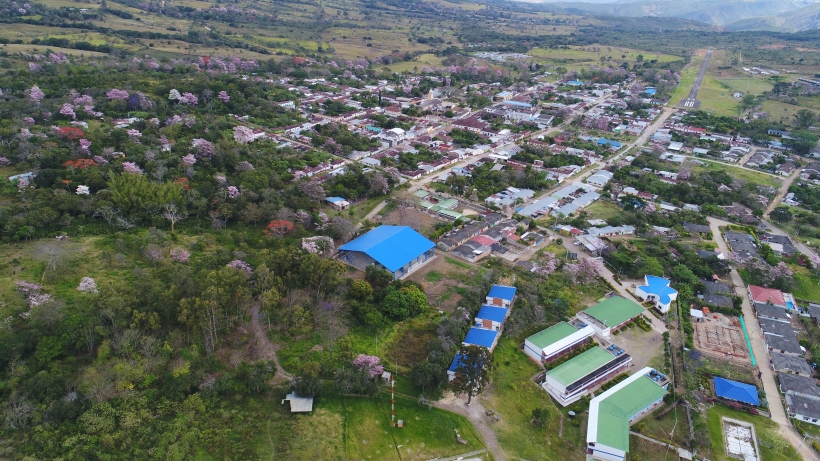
(174, 214)
(472, 370)
(782, 215)
(307, 382)
(242, 134)
(427, 375)
(360, 289)
(279, 228)
(540, 417)
(682, 274)
(804, 118)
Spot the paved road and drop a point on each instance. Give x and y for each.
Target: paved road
(692, 102)
(762, 358)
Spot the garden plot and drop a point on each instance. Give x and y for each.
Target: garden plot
(721, 337)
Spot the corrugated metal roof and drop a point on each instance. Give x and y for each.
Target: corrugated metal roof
(581, 365)
(734, 390)
(614, 311)
(616, 408)
(552, 335)
(391, 246)
(496, 314)
(481, 337)
(502, 291)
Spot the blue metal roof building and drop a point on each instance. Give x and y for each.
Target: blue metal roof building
(739, 392)
(481, 337)
(398, 249)
(501, 295)
(491, 317)
(657, 289)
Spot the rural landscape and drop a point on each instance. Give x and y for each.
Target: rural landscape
(409, 230)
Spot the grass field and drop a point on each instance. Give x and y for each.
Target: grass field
(741, 174)
(764, 427)
(805, 285)
(779, 110)
(748, 85)
(687, 79)
(603, 210)
(422, 60)
(514, 396)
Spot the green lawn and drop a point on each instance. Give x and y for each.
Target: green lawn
(515, 395)
(604, 210)
(748, 85)
(783, 111)
(805, 285)
(741, 173)
(687, 79)
(764, 427)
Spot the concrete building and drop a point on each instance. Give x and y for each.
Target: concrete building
(556, 341)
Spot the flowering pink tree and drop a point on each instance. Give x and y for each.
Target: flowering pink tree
(189, 99)
(33, 294)
(188, 160)
(221, 179)
(369, 363)
(180, 255)
(204, 148)
(87, 285)
(242, 134)
(223, 96)
(233, 192)
(241, 265)
(28, 120)
(135, 135)
(131, 167)
(585, 271)
(115, 94)
(4, 161)
(84, 100)
(547, 265)
(35, 94)
(85, 144)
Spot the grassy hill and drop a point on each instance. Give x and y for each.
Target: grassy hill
(807, 18)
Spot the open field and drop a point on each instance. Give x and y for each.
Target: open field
(748, 85)
(805, 285)
(764, 427)
(422, 60)
(515, 395)
(687, 79)
(604, 210)
(779, 110)
(741, 174)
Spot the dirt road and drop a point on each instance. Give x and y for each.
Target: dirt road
(477, 415)
(264, 349)
(781, 193)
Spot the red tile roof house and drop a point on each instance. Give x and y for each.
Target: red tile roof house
(771, 296)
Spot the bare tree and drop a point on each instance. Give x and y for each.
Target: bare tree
(174, 214)
(108, 213)
(18, 413)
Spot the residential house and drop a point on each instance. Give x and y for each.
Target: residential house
(789, 364)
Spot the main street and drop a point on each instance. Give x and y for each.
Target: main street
(759, 349)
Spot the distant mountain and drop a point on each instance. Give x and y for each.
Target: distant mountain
(783, 15)
(806, 18)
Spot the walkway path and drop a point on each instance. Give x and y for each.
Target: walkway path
(476, 414)
(759, 350)
(263, 348)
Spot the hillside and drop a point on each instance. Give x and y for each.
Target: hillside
(740, 14)
(807, 18)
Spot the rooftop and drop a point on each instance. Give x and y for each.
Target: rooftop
(481, 337)
(659, 287)
(502, 291)
(391, 246)
(552, 335)
(581, 365)
(767, 295)
(739, 392)
(610, 412)
(614, 311)
(496, 314)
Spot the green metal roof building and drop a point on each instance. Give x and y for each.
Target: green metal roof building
(555, 341)
(611, 313)
(576, 377)
(611, 413)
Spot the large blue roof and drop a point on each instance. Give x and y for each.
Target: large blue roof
(496, 314)
(456, 362)
(734, 390)
(391, 246)
(502, 291)
(658, 286)
(481, 337)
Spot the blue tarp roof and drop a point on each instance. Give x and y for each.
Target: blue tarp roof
(574, 83)
(734, 390)
(650, 91)
(496, 314)
(481, 337)
(658, 286)
(502, 291)
(391, 246)
(334, 199)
